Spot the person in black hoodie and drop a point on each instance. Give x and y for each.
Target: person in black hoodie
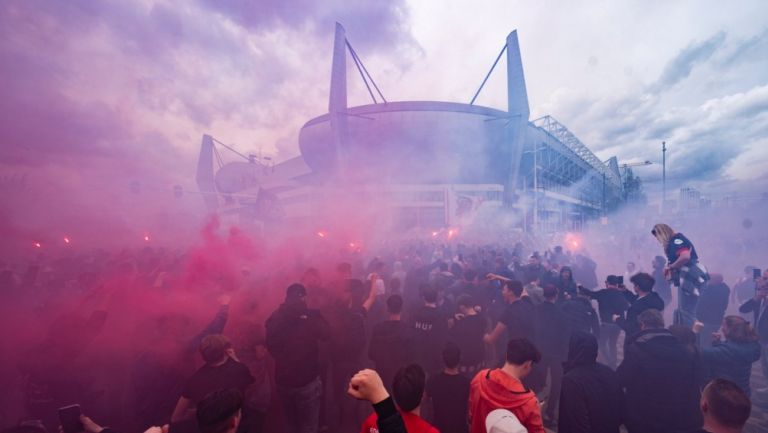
(645, 299)
(565, 282)
(391, 345)
(660, 377)
(293, 335)
(591, 399)
(579, 312)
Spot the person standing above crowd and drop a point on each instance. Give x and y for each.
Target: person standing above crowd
(612, 305)
(643, 299)
(293, 335)
(660, 377)
(502, 388)
(591, 400)
(683, 270)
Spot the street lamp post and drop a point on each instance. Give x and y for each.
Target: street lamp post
(663, 174)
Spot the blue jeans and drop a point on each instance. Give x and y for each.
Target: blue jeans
(301, 406)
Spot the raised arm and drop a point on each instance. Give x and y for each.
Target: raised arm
(368, 303)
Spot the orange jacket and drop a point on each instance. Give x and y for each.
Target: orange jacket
(494, 389)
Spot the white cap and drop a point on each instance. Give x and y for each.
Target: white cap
(503, 421)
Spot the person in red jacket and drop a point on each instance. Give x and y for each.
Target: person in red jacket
(503, 389)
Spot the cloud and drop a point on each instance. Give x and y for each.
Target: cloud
(98, 94)
(681, 66)
(708, 110)
(375, 24)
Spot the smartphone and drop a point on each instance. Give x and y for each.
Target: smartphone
(69, 417)
(621, 280)
(756, 273)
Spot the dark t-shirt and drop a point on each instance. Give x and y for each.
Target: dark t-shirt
(391, 347)
(450, 396)
(518, 317)
(468, 335)
(348, 333)
(677, 244)
(430, 333)
(230, 375)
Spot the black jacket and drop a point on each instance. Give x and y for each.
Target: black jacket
(761, 321)
(710, 309)
(660, 377)
(610, 302)
(389, 419)
(630, 325)
(591, 399)
(580, 315)
(293, 333)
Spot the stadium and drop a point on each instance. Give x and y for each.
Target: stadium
(437, 163)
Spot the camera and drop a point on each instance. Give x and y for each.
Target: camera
(621, 280)
(756, 273)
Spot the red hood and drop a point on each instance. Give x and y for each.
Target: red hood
(502, 390)
(494, 389)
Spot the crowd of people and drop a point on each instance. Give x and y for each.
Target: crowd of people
(437, 337)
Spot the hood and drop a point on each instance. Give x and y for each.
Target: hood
(582, 350)
(659, 343)
(566, 269)
(501, 390)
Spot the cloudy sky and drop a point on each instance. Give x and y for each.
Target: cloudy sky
(97, 92)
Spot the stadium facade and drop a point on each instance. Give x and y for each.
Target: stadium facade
(437, 163)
